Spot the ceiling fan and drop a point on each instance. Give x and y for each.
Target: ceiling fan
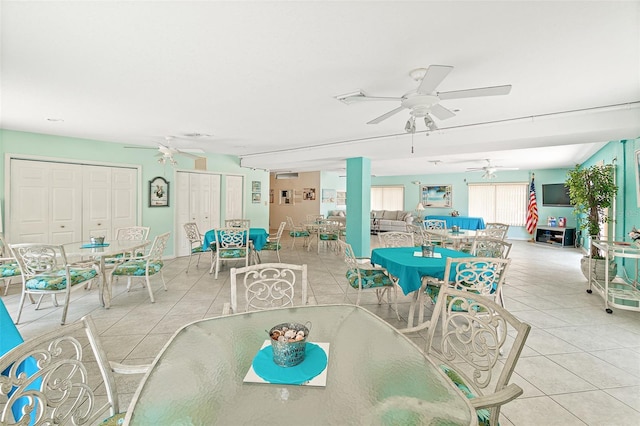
(424, 101)
(489, 170)
(166, 152)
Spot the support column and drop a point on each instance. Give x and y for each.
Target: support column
(359, 205)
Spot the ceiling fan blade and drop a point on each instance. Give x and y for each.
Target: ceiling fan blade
(472, 93)
(141, 147)
(441, 112)
(432, 79)
(385, 116)
(186, 154)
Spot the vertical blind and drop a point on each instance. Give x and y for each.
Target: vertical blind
(499, 202)
(387, 198)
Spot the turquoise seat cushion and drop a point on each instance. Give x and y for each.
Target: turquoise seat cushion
(328, 237)
(272, 245)
(370, 278)
(483, 413)
(433, 290)
(9, 270)
(115, 420)
(199, 249)
(232, 254)
(299, 233)
(57, 280)
(137, 267)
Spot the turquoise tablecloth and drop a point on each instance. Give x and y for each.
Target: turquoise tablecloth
(464, 222)
(257, 235)
(10, 338)
(409, 269)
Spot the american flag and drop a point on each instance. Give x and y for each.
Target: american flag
(532, 210)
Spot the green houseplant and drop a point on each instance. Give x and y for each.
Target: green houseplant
(592, 190)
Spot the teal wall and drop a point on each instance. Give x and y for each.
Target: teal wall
(460, 193)
(330, 180)
(158, 219)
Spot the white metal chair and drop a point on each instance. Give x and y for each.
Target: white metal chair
(468, 346)
(315, 218)
(46, 271)
(132, 233)
(419, 236)
(232, 244)
(364, 276)
(495, 230)
(396, 239)
(328, 234)
(297, 231)
(143, 266)
(273, 244)
(490, 247)
(267, 286)
(237, 223)
(9, 267)
(52, 379)
(435, 224)
(195, 239)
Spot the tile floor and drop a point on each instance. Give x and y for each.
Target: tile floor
(580, 365)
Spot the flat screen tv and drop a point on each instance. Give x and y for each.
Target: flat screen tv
(555, 195)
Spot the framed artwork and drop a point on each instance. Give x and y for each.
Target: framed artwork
(309, 194)
(286, 197)
(256, 186)
(158, 192)
(271, 196)
(638, 177)
(255, 197)
(436, 196)
(328, 195)
(341, 198)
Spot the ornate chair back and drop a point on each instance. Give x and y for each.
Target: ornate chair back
(396, 239)
(495, 230)
(468, 344)
(195, 243)
(232, 244)
(132, 233)
(435, 224)
(237, 223)
(490, 247)
(9, 267)
(274, 243)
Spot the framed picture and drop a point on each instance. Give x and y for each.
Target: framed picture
(255, 197)
(256, 186)
(436, 196)
(309, 194)
(328, 195)
(341, 198)
(158, 192)
(286, 197)
(638, 177)
(271, 196)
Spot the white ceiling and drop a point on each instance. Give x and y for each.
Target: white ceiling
(261, 78)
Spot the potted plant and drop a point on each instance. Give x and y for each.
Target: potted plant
(592, 190)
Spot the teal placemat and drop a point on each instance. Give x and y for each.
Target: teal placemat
(315, 361)
(94, 245)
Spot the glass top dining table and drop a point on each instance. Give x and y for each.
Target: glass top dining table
(374, 375)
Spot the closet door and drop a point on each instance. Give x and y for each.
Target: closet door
(234, 197)
(124, 198)
(96, 199)
(46, 202)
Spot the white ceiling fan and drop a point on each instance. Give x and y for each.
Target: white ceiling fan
(489, 170)
(424, 101)
(166, 152)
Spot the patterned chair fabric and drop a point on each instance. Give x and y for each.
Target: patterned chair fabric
(144, 266)
(482, 413)
(297, 232)
(9, 267)
(364, 276)
(45, 270)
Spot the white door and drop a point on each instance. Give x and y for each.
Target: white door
(198, 200)
(29, 208)
(96, 212)
(124, 198)
(234, 197)
(66, 203)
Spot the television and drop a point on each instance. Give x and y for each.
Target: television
(555, 195)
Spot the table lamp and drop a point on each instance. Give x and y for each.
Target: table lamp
(420, 209)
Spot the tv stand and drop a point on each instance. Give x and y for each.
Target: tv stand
(556, 236)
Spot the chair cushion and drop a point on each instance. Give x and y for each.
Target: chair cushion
(9, 270)
(137, 267)
(232, 254)
(115, 420)
(299, 233)
(433, 290)
(199, 249)
(483, 413)
(328, 237)
(272, 245)
(371, 278)
(57, 280)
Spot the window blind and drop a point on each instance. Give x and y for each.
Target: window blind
(387, 198)
(499, 202)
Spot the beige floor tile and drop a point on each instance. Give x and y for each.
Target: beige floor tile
(598, 408)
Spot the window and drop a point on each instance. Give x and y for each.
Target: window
(387, 198)
(500, 202)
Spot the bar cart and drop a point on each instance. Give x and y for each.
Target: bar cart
(621, 295)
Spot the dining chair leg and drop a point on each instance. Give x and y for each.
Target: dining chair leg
(153, 300)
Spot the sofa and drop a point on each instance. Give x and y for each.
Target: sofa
(338, 216)
(390, 220)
